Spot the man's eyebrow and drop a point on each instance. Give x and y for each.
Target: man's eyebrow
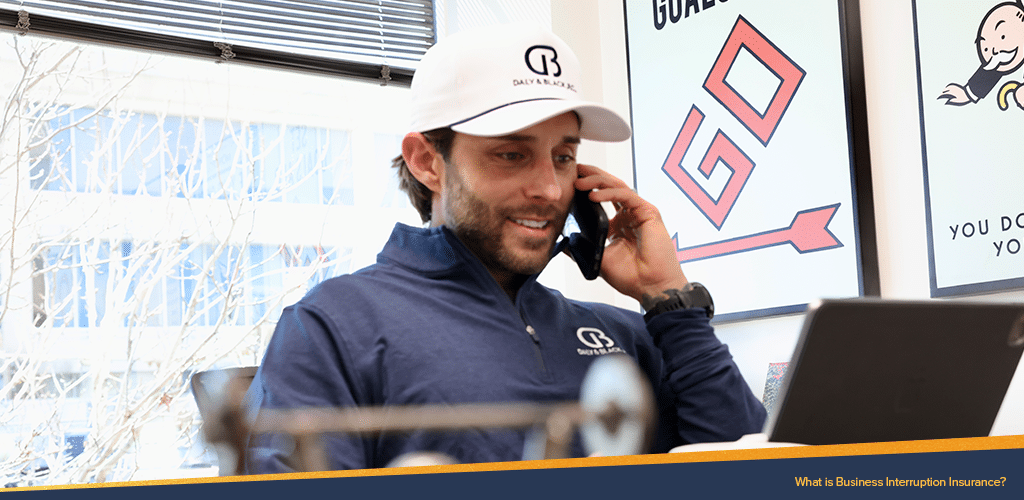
(568, 139)
(997, 24)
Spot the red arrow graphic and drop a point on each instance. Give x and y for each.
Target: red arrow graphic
(807, 233)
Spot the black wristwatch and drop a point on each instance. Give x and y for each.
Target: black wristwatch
(692, 295)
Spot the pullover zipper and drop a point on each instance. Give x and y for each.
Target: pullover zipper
(536, 344)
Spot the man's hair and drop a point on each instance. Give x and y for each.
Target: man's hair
(420, 195)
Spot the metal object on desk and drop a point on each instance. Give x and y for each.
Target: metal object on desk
(219, 396)
(620, 405)
(616, 415)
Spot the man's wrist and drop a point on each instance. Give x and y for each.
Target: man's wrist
(652, 294)
(691, 295)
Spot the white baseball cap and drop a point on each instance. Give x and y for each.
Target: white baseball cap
(498, 80)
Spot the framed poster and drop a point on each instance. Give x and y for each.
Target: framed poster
(748, 136)
(969, 60)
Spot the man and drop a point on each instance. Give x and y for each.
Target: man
(453, 313)
(1000, 45)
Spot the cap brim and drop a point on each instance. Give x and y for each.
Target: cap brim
(597, 123)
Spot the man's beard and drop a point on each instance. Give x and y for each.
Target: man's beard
(481, 228)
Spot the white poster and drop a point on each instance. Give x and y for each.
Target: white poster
(970, 56)
(741, 139)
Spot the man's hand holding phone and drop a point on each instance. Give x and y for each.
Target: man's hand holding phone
(640, 258)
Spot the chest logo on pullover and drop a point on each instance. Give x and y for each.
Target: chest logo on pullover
(597, 342)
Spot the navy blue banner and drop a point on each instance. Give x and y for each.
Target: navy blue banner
(965, 474)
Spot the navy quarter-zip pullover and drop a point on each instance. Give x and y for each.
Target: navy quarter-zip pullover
(427, 324)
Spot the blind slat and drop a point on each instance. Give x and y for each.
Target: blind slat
(275, 11)
(86, 32)
(329, 6)
(148, 14)
(215, 28)
(347, 33)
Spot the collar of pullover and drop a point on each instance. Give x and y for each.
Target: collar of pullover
(434, 251)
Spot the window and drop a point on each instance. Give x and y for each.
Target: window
(99, 151)
(165, 211)
(82, 281)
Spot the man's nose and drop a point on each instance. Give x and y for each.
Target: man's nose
(544, 181)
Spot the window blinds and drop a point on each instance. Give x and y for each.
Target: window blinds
(370, 39)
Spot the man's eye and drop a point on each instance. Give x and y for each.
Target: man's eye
(565, 159)
(511, 156)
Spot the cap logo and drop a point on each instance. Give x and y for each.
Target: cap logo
(538, 57)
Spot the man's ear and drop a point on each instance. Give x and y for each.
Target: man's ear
(424, 162)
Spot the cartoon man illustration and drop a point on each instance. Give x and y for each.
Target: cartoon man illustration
(1001, 50)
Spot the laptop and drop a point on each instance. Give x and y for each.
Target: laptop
(869, 370)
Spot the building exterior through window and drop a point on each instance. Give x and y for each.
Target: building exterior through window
(156, 215)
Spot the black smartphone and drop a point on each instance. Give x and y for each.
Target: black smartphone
(587, 246)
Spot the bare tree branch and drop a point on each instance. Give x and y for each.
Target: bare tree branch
(125, 306)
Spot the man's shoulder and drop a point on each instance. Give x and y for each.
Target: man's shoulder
(380, 271)
(340, 290)
(607, 312)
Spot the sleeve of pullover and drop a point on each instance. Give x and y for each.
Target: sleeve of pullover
(303, 367)
(712, 400)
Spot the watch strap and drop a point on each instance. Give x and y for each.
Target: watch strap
(692, 295)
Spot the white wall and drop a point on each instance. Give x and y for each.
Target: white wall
(596, 33)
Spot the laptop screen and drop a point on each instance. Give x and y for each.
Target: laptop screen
(869, 370)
